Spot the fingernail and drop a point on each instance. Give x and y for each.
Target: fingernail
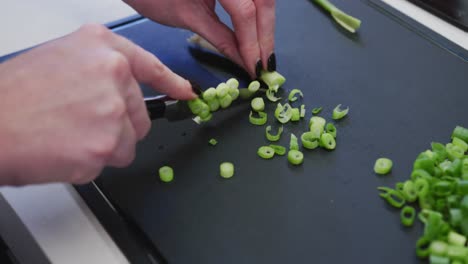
(196, 88)
(258, 68)
(272, 62)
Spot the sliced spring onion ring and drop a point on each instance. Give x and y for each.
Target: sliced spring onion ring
(279, 150)
(283, 113)
(295, 157)
(295, 115)
(271, 137)
(233, 83)
(254, 86)
(331, 129)
(213, 104)
(293, 142)
(339, 113)
(222, 90)
(270, 94)
(303, 111)
(259, 121)
(460, 143)
(226, 170)
(258, 104)
(244, 93)
(310, 140)
(196, 105)
(383, 165)
(317, 124)
(213, 142)
(209, 94)
(292, 95)
(317, 110)
(273, 79)
(166, 174)
(327, 141)
(225, 101)
(266, 152)
(407, 215)
(234, 93)
(205, 111)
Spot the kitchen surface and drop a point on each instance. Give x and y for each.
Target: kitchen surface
(58, 223)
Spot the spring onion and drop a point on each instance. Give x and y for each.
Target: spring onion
(292, 95)
(226, 170)
(317, 123)
(283, 113)
(303, 111)
(316, 110)
(331, 129)
(213, 104)
(259, 121)
(273, 79)
(327, 141)
(407, 215)
(309, 140)
(254, 86)
(456, 239)
(271, 137)
(348, 22)
(438, 184)
(258, 104)
(295, 157)
(293, 142)
(245, 93)
(339, 113)
(222, 90)
(409, 191)
(393, 197)
(279, 150)
(225, 101)
(196, 105)
(234, 93)
(209, 94)
(383, 166)
(233, 83)
(213, 142)
(461, 133)
(295, 114)
(266, 152)
(271, 96)
(166, 174)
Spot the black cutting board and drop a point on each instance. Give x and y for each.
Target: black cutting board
(403, 92)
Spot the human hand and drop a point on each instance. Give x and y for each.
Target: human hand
(250, 45)
(72, 106)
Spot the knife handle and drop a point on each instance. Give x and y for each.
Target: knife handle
(156, 106)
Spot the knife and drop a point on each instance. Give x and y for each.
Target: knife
(163, 106)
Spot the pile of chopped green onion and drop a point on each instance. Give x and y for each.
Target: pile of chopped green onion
(439, 186)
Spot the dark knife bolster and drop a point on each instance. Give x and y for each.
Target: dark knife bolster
(156, 108)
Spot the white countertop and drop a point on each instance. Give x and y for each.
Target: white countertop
(54, 214)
